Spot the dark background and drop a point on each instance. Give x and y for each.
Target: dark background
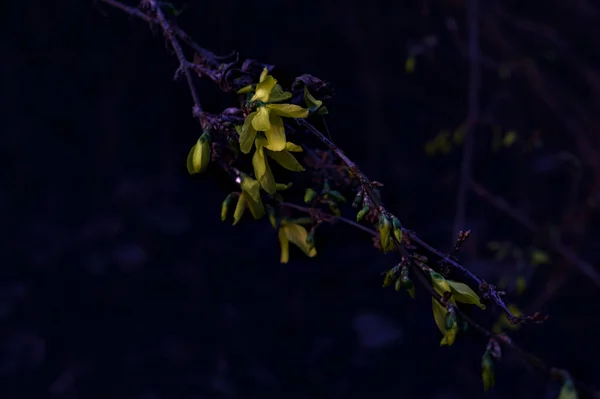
(119, 280)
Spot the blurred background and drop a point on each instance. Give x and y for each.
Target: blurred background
(118, 279)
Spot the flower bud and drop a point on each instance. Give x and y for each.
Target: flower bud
(309, 195)
(225, 206)
(199, 155)
(362, 213)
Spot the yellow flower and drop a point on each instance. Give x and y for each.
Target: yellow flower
(298, 235)
(267, 117)
(262, 170)
(249, 198)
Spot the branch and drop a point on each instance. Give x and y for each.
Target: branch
(367, 186)
(502, 339)
(488, 290)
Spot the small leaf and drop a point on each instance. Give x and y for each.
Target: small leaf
(463, 293)
(439, 315)
(323, 111)
(312, 103)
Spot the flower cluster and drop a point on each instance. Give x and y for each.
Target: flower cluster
(264, 129)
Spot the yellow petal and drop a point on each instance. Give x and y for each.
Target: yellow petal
(263, 89)
(261, 120)
(285, 246)
(251, 187)
(278, 94)
(286, 160)
(275, 135)
(245, 89)
(288, 110)
(248, 134)
(263, 74)
(262, 171)
(463, 293)
(291, 147)
(257, 209)
(240, 207)
(297, 234)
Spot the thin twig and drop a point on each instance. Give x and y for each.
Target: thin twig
(184, 64)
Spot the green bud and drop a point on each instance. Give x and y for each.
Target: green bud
(272, 217)
(362, 213)
(336, 196)
(310, 238)
(397, 229)
(384, 232)
(309, 195)
(334, 208)
(225, 206)
(407, 282)
(450, 318)
(388, 278)
(358, 200)
(398, 285)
